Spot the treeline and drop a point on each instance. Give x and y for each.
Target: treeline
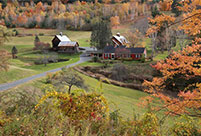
(76, 16)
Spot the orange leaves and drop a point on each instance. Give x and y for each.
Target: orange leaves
(159, 22)
(181, 73)
(22, 19)
(192, 17)
(166, 5)
(115, 20)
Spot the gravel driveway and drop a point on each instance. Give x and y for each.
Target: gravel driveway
(24, 80)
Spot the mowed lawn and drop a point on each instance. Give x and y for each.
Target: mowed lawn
(125, 99)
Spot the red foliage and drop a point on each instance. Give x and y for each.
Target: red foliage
(41, 46)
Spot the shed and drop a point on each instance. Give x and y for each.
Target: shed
(62, 43)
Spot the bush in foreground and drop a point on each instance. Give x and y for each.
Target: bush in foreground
(84, 114)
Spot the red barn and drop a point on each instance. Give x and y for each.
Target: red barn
(116, 52)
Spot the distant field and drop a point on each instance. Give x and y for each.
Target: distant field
(46, 35)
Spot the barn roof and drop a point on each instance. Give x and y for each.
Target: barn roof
(63, 38)
(67, 43)
(111, 49)
(137, 50)
(120, 38)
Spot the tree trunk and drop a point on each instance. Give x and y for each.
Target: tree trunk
(69, 89)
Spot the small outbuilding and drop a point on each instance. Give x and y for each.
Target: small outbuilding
(62, 43)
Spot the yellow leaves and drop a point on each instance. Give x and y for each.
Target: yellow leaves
(125, 7)
(3, 118)
(62, 8)
(80, 106)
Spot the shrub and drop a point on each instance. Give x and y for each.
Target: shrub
(42, 46)
(186, 126)
(3, 118)
(119, 72)
(148, 125)
(95, 59)
(83, 106)
(16, 32)
(41, 34)
(32, 24)
(8, 23)
(142, 59)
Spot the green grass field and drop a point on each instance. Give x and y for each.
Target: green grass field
(121, 98)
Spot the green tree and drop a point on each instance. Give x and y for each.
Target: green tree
(101, 34)
(69, 78)
(4, 3)
(174, 6)
(36, 40)
(4, 36)
(14, 52)
(155, 11)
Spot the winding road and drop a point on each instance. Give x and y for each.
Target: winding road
(7, 86)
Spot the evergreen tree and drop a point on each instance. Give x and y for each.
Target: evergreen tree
(4, 3)
(174, 7)
(36, 40)
(155, 11)
(14, 52)
(101, 34)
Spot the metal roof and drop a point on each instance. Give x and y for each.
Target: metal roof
(137, 50)
(67, 43)
(63, 38)
(121, 39)
(111, 49)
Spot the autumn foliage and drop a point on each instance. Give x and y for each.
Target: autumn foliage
(181, 75)
(160, 23)
(79, 15)
(84, 106)
(179, 85)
